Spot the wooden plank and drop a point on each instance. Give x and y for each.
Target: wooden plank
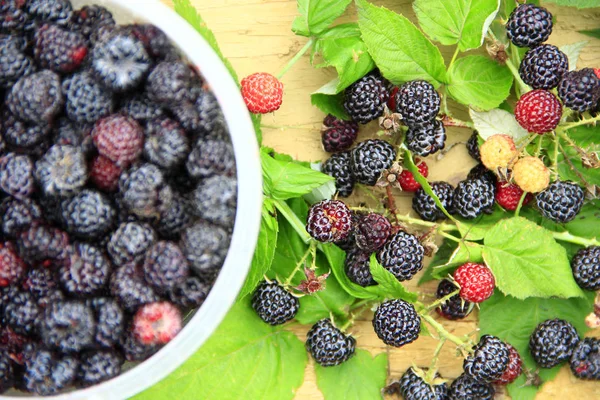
(256, 36)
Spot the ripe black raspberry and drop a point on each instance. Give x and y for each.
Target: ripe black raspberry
(88, 19)
(424, 205)
(402, 255)
(329, 221)
(62, 170)
(203, 118)
(87, 100)
(6, 372)
(120, 61)
(58, 12)
(543, 67)
(140, 107)
(165, 265)
(561, 201)
(586, 268)
(47, 373)
(59, 50)
(110, 321)
(338, 135)
(16, 175)
(14, 64)
(418, 103)
(145, 192)
(328, 345)
(339, 166)
(130, 242)
(25, 138)
(85, 270)
(21, 312)
(396, 323)
(190, 293)
(175, 219)
(370, 158)
(215, 200)
(72, 133)
(98, 366)
(36, 98)
(528, 25)
(128, 286)
(414, 387)
(12, 267)
(274, 304)
(173, 83)
(357, 267)
(473, 146)
(211, 157)
(166, 143)
(464, 387)
(43, 284)
(67, 326)
(205, 247)
(473, 197)
(455, 307)
(366, 98)
(41, 242)
(18, 215)
(552, 342)
(134, 350)
(88, 215)
(585, 360)
(427, 138)
(481, 172)
(372, 231)
(155, 41)
(580, 90)
(488, 361)
(13, 17)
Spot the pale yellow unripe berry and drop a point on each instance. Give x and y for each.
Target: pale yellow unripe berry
(498, 152)
(531, 175)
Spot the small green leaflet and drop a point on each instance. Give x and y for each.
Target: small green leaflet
(342, 47)
(576, 3)
(244, 359)
(317, 15)
(527, 261)
(265, 248)
(479, 82)
(286, 179)
(389, 286)
(489, 123)
(399, 48)
(361, 377)
(572, 52)
(595, 33)
(514, 320)
(465, 252)
(475, 230)
(462, 22)
(328, 100)
(570, 166)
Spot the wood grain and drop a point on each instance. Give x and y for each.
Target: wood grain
(255, 35)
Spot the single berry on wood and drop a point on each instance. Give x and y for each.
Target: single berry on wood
(397, 323)
(262, 93)
(328, 345)
(552, 342)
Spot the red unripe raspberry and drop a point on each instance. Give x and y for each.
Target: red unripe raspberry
(262, 92)
(329, 221)
(12, 267)
(538, 111)
(392, 101)
(156, 323)
(105, 174)
(514, 369)
(476, 282)
(508, 195)
(119, 138)
(597, 72)
(407, 179)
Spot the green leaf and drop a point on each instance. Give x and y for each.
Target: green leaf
(572, 52)
(389, 286)
(489, 123)
(595, 33)
(399, 49)
(186, 10)
(479, 82)
(329, 100)
(441, 257)
(286, 179)
(361, 377)
(245, 358)
(265, 248)
(342, 47)
(317, 15)
(465, 252)
(514, 320)
(527, 261)
(462, 22)
(475, 230)
(576, 3)
(570, 166)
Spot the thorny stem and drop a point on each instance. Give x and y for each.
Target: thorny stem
(568, 237)
(415, 221)
(566, 127)
(310, 251)
(521, 200)
(293, 220)
(441, 301)
(442, 331)
(451, 121)
(522, 85)
(575, 170)
(355, 315)
(361, 303)
(555, 157)
(433, 366)
(391, 202)
(298, 55)
(451, 237)
(538, 149)
(369, 193)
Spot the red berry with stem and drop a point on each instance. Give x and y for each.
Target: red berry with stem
(476, 282)
(262, 93)
(538, 111)
(508, 195)
(406, 179)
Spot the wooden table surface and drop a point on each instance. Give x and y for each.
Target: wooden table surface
(255, 35)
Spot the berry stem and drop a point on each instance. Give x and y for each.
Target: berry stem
(442, 331)
(368, 192)
(522, 85)
(415, 221)
(441, 301)
(312, 248)
(430, 376)
(555, 157)
(566, 236)
(293, 220)
(391, 202)
(584, 121)
(521, 200)
(538, 148)
(456, 51)
(451, 121)
(298, 55)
